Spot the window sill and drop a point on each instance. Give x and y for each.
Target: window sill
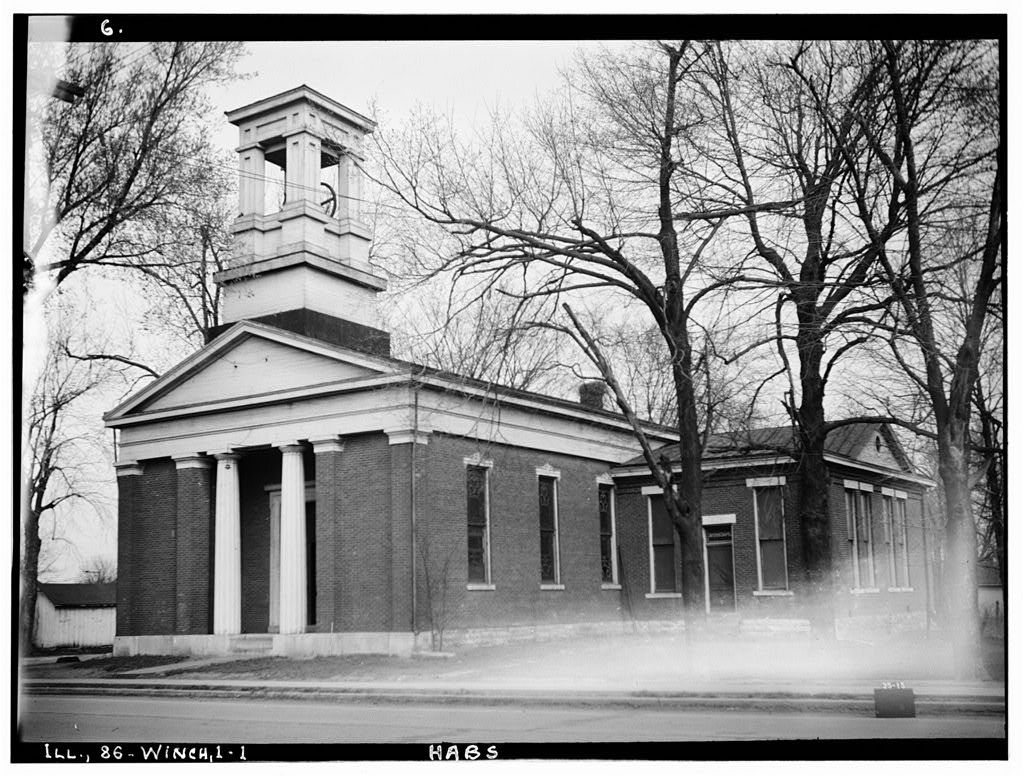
(864, 591)
(772, 593)
(611, 586)
(475, 587)
(552, 587)
(901, 589)
(663, 595)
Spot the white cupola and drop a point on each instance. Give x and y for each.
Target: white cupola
(301, 255)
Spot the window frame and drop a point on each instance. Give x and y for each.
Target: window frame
(604, 481)
(555, 476)
(769, 482)
(485, 465)
(860, 495)
(894, 509)
(654, 592)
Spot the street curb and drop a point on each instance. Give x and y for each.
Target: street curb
(977, 705)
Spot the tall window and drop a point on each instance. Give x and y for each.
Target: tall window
(895, 514)
(771, 536)
(663, 547)
(858, 524)
(547, 488)
(478, 531)
(547, 492)
(606, 514)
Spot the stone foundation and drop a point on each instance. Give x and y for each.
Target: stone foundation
(304, 645)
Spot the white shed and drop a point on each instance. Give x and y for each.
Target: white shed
(75, 615)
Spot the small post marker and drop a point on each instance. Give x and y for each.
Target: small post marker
(894, 701)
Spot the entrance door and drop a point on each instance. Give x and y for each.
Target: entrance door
(274, 619)
(721, 585)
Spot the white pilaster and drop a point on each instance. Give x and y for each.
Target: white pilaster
(293, 541)
(227, 549)
(192, 461)
(324, 445)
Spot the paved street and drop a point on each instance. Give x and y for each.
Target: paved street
(58, 718)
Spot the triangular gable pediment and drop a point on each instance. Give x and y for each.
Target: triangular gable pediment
(248, 361)
(880, 449)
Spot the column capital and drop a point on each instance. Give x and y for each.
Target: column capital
(324, 445)
(197, 461)
(128, 467)
(289, 447)
(229, 456)
(398, 436)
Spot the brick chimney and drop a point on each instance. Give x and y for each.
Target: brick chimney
(592, 394)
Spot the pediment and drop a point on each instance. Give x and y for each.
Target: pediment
(251, 361)
(878, 450)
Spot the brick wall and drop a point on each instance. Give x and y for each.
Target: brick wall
(194, 528)
(362, 577)
(726, 492)
(517, 597)
(127, 572)
(329, 505)
(364, 548)
(153, 556)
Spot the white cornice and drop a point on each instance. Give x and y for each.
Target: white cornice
(643, 470)
(899, 475)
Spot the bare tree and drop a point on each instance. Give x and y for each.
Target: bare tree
(935, 137)
(484, 336)
(581, 205)
(59, 449)
(777, 164)
(100, 569)
(121, 160)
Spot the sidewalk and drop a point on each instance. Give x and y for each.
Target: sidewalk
(769, 675)
(968, 698)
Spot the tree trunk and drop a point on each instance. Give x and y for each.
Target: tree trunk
(960, 587)
(813, 510)
(29, 580)
(688, 523)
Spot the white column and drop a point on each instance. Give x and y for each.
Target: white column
(252, 167)
(293, 541)
(227, 549)
(302, 158)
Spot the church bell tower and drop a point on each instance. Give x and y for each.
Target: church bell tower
(301, 256)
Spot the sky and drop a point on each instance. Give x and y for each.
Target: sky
(464, 77)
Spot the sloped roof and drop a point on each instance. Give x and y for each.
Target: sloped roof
(846, 441)
(80, 595)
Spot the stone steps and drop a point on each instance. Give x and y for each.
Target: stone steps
(251, 645)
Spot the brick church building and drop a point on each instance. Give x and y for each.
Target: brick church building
(292, 488)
